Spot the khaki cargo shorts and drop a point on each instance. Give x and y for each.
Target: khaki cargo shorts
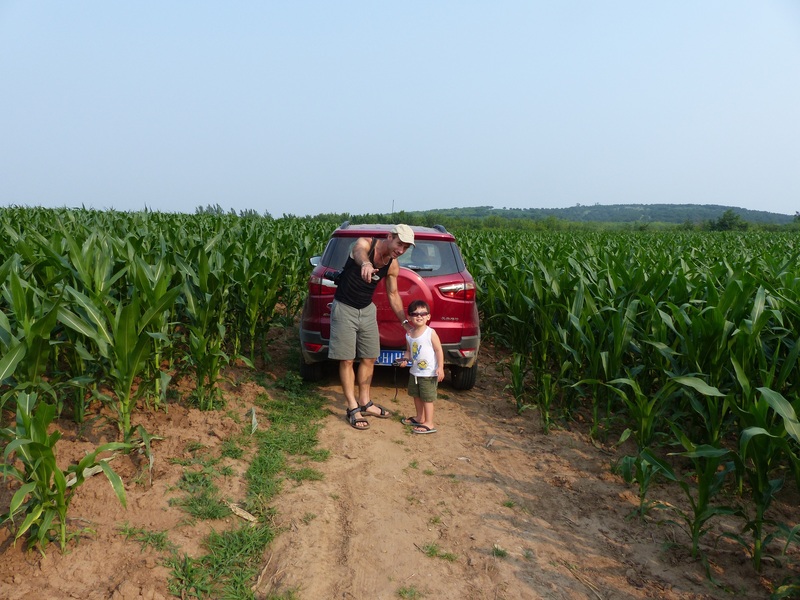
(354, 332)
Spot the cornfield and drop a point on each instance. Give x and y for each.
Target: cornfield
(686, 343)
(679, 340)
(106, 306)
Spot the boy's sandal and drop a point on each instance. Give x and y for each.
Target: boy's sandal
(423, 429)
(354, 420)
(410, 421)
(384, 414)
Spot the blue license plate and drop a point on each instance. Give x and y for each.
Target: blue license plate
(387, 357)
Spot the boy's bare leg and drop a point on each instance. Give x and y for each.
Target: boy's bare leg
(419, 406)
(428, 412)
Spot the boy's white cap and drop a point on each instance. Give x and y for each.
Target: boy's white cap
(405, 234)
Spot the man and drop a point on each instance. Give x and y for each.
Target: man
(354, 323)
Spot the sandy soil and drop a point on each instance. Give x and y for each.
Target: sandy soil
(519, 514)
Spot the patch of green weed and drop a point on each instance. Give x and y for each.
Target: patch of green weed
(157, 540)
(434, 551)
(409, 593)
(499, 552)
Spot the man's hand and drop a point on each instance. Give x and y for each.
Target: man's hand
(367, 271)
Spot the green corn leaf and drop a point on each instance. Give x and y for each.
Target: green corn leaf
(116, 482)
(781, 406)
(60, 482)
(699, 385)
(662, 466)
(19, 497)
(44, 415)
(741, 377)
(44, 325)
(31, 518)
(90, 459)
(10, 471)
(45, 524)
(747, 436)
(161, 305)
(74, 322)
(114, 446)
(704, 451)
(6, 335)
(19, 300)
(15, 444)
(9, 362)
(758, 305)
(94, 313)
(126, 336)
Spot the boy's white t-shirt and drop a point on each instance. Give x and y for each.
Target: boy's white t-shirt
(422, 354)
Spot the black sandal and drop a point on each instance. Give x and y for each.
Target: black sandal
(353, 420)
(384, 414)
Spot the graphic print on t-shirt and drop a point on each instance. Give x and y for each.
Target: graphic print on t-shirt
(415, 348)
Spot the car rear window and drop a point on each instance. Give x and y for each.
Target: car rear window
(429, 258)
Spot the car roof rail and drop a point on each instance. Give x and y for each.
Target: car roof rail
(440, 228)
(344, 225)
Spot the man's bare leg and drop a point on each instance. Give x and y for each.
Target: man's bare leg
(348, 379)
(365, 369)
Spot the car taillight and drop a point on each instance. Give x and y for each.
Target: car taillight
(319, 286)
(458, 291)
(313, 347)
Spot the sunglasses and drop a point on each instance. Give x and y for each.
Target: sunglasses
(418, 314)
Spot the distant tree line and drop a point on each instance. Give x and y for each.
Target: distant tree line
(596, 217)
(655, 217)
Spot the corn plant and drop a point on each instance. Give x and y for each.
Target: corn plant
(643, 468)
(645, 409)
(258, 275)
(711, 467)
(154, 280)
(45, 494)
(518, 371)
(205, 294)
(27, 341)
(122, 337)
(762, 445)
(712, 410)
(581, 340)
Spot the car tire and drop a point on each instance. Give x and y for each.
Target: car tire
(464, 378)
(311, 372)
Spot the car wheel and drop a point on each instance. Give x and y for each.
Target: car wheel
(464, 378)
(311, 371)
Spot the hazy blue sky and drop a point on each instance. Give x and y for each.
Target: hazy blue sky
(304, 107)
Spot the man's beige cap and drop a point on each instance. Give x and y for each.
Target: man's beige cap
(405, 234)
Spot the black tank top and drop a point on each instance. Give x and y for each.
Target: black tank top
(353, 290)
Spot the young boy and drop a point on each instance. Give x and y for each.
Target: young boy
(426, 358)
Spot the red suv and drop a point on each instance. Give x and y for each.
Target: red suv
(432, 270)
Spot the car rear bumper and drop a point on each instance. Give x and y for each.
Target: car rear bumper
(463, 354)
(313, 346)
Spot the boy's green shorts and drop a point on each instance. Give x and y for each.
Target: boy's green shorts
(423, 387)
